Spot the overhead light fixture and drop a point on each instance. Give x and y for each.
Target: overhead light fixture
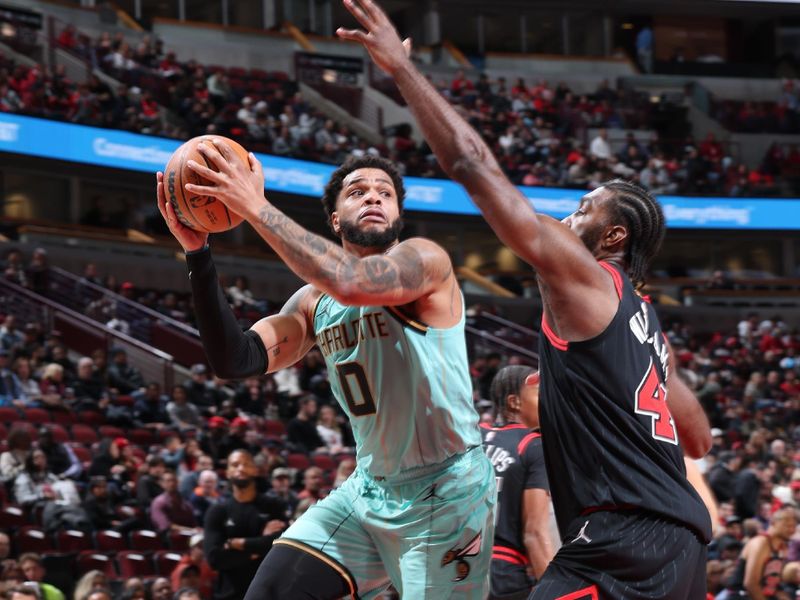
(627, 25)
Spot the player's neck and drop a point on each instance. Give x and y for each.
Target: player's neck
(362, 251)
(511, 418)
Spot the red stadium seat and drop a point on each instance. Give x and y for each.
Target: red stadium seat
(142, 437)
(9, 414)
(84, 434)
(298, 461)
(109, 431)
(91, 561)
(36, 415)
(324, 462)
(110, 541)
(179, 541)
(3, 432)
(12, 517)
(31, 538)
(63, 417)
(146, 540)
(91, 417)
(166, 561)
(274, 428)
(73, 540)
(60, 434)
(134, 564)
(124, 401)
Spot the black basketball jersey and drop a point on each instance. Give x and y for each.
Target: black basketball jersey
(515, 452)
(609, 439)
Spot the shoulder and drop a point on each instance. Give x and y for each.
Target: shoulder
(302, 301)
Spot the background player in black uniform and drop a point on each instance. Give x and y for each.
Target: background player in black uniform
(615, 423)
(522, 541)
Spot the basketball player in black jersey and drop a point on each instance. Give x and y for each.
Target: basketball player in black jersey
(615, 420)
(514, 446)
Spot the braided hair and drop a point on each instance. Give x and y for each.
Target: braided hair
(509, 380)
(641, 213)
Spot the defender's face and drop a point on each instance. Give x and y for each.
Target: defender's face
(590, 218)
(529, 404)
(368, 202)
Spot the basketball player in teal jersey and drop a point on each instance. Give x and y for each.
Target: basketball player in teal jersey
(388, 317)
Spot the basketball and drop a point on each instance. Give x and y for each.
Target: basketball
(201, 213)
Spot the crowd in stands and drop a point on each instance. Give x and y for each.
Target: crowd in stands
(780, 116)
(543, 134)
(91, 447)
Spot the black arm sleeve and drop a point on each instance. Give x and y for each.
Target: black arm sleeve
(233, 354)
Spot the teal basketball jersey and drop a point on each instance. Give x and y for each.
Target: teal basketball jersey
(405, 386)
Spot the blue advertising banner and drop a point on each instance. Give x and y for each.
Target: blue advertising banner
(122, 150)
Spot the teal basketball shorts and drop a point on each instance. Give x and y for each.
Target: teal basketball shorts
(429, 531)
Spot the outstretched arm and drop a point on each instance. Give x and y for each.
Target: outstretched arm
(407, 272)
(541, 241)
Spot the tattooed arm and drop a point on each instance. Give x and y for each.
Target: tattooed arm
(289, 335)
(407, 272)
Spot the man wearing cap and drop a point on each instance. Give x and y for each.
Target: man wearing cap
(212, 443)
(201, 391)
(281, 490)
(196, 558)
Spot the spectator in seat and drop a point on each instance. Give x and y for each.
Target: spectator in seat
(201, 391)
(161, 589)
(10, 336)
(183, 414)
(329, 430)
(312, 485)
(100, 508)
(343, 471)
(38, 486)
(195, 558)
(173, 452)
(204, 495)
(212, 442)
(243, 298)
(281, 490)
(60, 457)
(236, 438)
(31, 565)
(23, 591)
(12, 391)
(91, 581)
(169, 511)
(52, 386)
(111, 462)
(189, 480)
(301, 432)
(89, 388)
(150, 407)
(148, 487)
(12, 461)
(121, 376)
(30, 387)
(600, 148)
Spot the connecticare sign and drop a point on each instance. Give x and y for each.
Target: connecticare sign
(123, 150)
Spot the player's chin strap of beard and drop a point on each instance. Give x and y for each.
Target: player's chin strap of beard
(233, 354)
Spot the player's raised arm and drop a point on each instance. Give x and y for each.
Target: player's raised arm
(539, 240)
(271, 344)
(406, 272)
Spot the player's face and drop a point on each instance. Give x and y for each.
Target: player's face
(529, 405)
(367, 213)
(786, 526)
(589, 220)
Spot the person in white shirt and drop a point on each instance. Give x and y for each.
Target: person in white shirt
(600, 147)
(329, 430)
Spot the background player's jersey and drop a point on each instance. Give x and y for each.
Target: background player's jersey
(406, 387)
(609, 439)
(515, 452)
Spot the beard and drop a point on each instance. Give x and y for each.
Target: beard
(591, 237)
(242, 483)
(371, 239)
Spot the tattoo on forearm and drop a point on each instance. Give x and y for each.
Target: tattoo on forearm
(324, 263)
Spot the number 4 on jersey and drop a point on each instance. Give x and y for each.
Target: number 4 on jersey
(651, 401)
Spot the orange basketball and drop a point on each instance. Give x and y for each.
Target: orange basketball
(201, 213)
